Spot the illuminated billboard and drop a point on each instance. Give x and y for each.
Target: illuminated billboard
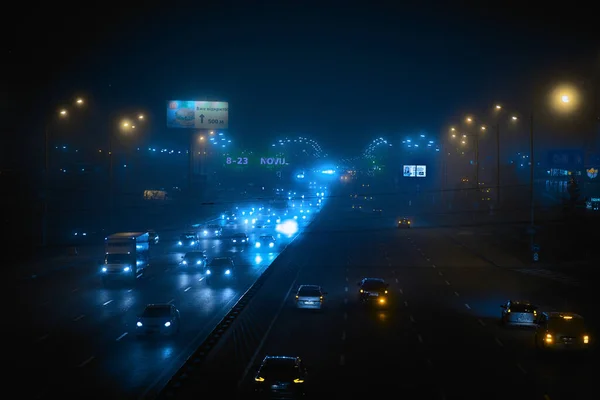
(414, 171)
(198, 114)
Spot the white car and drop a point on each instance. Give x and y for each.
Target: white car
(518, 313)
(310, 297)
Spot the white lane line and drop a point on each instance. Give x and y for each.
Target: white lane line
(342, 360)
(389, 265)
(107, 303)
(481, 322)
(345, 301)
(433, 265)
(468, 306)
(201, 279)
(86, 362)
(396, 280)
(405, 303)
(187, 288)
(429, 363)
(412, 319)
(41, 338)
(345, 316)
(428, 259)
(79, 318)
(401, 291)
(456, 294)
(343, 335)
(346, 289)
(122, 336)
(346, 279)
(447, 283)
(130, 290)
(440, 273)
(418, 249)
(74, 290)
(171, 301)
(521, 368)
(498, 342)
(420, 338)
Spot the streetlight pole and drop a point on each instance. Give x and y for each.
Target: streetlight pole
(477, 161)
(110, 180)
(498, 164)
(531, 180)
(46, 185)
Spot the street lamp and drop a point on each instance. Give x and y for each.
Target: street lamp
(62, 113)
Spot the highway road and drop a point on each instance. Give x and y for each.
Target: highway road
(75, 334)
(440, 337)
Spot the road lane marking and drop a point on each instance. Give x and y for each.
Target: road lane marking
(41, 338)
(429, 363)
(346, 289)
(346, 279)
(345, 316)
(481, 322)
(418, 249)
(342, 360)
(447, 283)
(433, 265)
(456, 294)
(201, 279)
(79, 318)
(420, 338)
(122, 336)
(107, 303)
(345, 301)
(74, 290)
(187, 288)
(401, 291)
(171, 301)
(396, 280)
(440, 273)
(405, 303)
(521, 368)
(86, 362)
(343, 335)
(468, 306)
(130, 290)
(498, 342)
(412, 319)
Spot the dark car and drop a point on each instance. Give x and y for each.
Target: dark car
(281, 377)
(153, 236)
(189, 239)
(240, 239)
(220, 268)
(403, 223)
(158, 319)
(194, 259)
(265, 242)
(373, 291)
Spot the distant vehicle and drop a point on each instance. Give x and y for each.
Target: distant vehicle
(240, 239)
(373, 291)
(265, 241)
(153, 236)
(126, 255)
(281, 377)
(158, 319)
(403, 223)
(310, 297)
(212, 231)
(378, 211)
(194, 259)
(220, 268)
(230, 217)
(561, 331)
(357, 207)
(160, 195)
(262, 223)
(519, 313)
(188, 239)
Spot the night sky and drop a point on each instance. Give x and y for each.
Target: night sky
(339, 72)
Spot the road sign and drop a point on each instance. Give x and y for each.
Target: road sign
(198, 114)
(536, 257)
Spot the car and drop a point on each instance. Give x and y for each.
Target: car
(220, 267)
(281, 377)
(265, 241)
(518, 313)
(357, 207)
(196, 259)
(188, 239)
(240, 239)
(310, 297)
(261, 223)
(373, 291)
(230, 217)
(403, 222)
(561, 331)
(158, 319)
(377, 211)
(212, 231)
(152, 236)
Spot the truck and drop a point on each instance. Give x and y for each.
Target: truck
(126, 255)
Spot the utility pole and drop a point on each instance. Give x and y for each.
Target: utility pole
(497, 164)
(531, 181)
(46, 184)
(110, 182)
(477, 161)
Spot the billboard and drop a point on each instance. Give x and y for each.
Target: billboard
(414, 171)
(198, 114)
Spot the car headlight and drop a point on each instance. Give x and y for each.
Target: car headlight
(234, 241)
(198, 262)
(168, 324)
(257, 245)
(104, 269)
(179, 243)
(228, 272)
(126, 269)
(139, 324)
(205, 232)
(193, 243)
(184, 262)
(271, 244)
(208, 272)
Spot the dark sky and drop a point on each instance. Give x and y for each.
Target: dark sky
(340, 72)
